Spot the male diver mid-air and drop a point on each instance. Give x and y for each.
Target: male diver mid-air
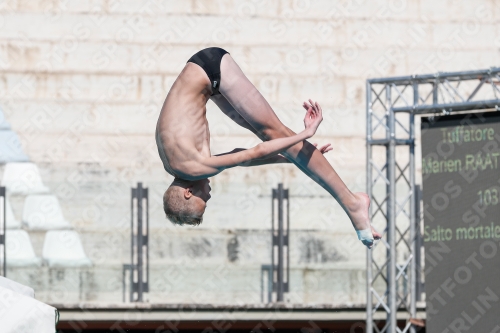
(183, 140)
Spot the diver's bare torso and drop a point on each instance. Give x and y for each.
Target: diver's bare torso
(182, 129)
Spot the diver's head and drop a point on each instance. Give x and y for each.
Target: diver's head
(185, 201)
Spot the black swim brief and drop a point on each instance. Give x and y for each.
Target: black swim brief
(209, 59)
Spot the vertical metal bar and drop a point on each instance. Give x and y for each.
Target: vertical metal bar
(146, 240)
(413, 280)
(391, 214)
(132, 243)
(287, 272)
(139, 267)
(435, 92)
(369, 259)
(274, 281)
(281, 242)
(3, 230)
(139, 242)
(418, 244)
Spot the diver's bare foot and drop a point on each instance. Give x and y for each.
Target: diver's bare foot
(358, 212)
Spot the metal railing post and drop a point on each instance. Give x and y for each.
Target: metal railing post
(369, 259)
(391, 214)
(280, 236)
(413, 266)
(280, 243)
(139, 268)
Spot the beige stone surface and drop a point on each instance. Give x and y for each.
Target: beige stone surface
(82, 83)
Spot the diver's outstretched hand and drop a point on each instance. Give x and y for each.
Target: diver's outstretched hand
(314, 116)
(325, 148)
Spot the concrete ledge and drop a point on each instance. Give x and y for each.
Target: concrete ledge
(206, 316)
(186, 312)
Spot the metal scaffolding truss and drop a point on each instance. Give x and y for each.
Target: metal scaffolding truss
(391, 106)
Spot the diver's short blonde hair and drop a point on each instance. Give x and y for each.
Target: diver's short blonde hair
(177, 209)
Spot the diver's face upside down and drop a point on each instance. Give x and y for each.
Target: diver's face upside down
(201, 189)
(185, 201)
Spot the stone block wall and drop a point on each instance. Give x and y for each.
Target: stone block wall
(82, 83)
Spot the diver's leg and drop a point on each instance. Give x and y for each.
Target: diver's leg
(252, 106)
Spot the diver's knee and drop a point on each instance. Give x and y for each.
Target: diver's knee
(271, 133)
